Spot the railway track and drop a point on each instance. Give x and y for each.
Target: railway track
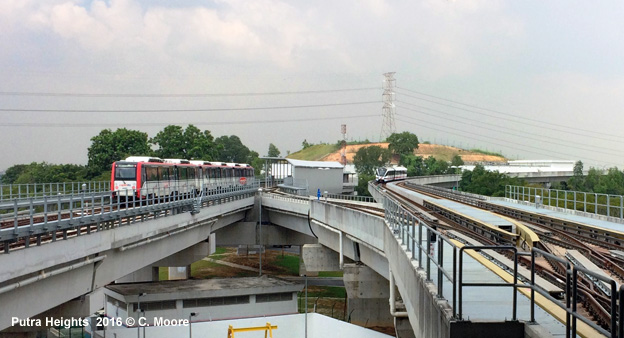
(593, 301)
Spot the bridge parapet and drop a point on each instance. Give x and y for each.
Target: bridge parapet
(365, 227)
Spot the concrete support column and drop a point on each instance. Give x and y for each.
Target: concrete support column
(180, 272)
(302, 267)
(403, 328)
(367, 296)
(146, 274)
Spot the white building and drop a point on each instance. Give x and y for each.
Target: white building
(528, 166)
(209, 299)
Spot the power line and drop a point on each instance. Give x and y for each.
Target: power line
(549, 127)
(480, 124)
(197, 123)
(163, 95)
(445, 129)
(182, 110)
(516, 120)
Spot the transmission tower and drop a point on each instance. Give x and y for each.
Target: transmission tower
(387, 125)
(343, 145)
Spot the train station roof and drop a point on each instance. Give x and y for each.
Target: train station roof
(315, 164)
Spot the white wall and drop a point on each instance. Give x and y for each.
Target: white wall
(290, 326)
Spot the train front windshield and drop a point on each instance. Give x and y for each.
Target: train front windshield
(125, 172)
(381, 171)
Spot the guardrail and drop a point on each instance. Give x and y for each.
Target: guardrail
(410, 231)
(418, 237)
(9, 192)
(593, 203)
(571, 297)
(367, 199)
(48, 216)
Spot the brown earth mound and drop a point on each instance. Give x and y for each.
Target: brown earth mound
(440, 152)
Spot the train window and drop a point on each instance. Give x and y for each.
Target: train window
(191, 172)
(125, 172)
(182, 173)
(390, 173)
(152, 173)
(167, 173)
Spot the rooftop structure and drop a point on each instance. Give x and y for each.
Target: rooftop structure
(528, 166)
(209, 299)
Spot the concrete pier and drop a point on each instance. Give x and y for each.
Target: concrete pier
(367, 296)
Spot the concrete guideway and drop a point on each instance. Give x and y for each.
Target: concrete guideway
(125, 249)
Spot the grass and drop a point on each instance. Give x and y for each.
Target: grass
(163, 272)
(330, 274)
(326, 292)
(220, 253)
(314, 153)
(290, 263)
(485, 152)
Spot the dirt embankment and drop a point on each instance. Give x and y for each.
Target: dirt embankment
(440, 152)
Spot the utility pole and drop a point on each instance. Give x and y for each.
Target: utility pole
(388, 126)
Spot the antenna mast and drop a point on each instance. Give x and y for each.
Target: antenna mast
(388, 126)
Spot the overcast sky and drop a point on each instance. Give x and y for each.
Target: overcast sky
(530, 79)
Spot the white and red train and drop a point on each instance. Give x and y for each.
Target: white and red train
(141, 177)
(389, 174)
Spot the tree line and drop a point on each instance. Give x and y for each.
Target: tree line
(401, 147)
(110, 146)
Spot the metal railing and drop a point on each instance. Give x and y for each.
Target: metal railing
(9, 192)
(514, 285)
(593, 203)
(571, 297)
(419, 237)
(291, 198)
(356, 198)
(57, 215)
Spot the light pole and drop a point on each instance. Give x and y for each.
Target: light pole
(191, 315)
(457, 172)
(260, 228)
(138, 314)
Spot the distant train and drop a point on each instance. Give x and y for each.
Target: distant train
(388, 174)
(142, 176)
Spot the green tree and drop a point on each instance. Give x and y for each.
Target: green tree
(592, 180)
(189, 143)
(170, 142)
(435, 167)
(199, 145)
(45, 173)
(362, 187)
(12, 173)
(305, 144)
(414, 164)
(577, 181)
(231, 149)
(484, 182)
(366, 159)
(457, 161)
(612, 183)
(110, 146)
(273, 151)
(402, 143)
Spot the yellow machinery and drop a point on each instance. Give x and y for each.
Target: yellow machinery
(268, 329)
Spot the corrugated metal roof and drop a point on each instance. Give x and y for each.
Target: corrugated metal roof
(315, 164)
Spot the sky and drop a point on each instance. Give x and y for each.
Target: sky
(528, 79)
